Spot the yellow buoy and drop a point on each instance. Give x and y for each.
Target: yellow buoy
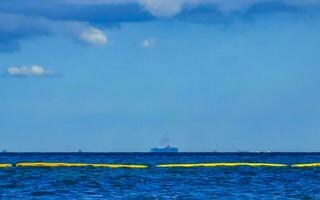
(306, 165)
(223, 165)
(5, 165)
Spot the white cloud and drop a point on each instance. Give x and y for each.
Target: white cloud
(93, 35)
(162, 8)
(80, 31)
(33, 70)
(148, 42)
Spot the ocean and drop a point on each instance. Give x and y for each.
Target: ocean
(241, 182)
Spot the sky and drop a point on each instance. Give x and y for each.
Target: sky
(124, 75)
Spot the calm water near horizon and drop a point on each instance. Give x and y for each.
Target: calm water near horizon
(160, 183)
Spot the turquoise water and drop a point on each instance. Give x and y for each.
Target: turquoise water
(160, 183)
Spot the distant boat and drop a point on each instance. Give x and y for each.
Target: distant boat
(167, 149)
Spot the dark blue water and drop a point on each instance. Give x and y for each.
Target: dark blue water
(160, 183)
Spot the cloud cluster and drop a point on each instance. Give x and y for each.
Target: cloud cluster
(17, 26)
(167, 8)
(86, 20)
(34, 70)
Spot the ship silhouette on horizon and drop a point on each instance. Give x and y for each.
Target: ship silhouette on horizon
(166, 149)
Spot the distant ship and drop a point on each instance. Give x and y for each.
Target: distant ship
(167, 149)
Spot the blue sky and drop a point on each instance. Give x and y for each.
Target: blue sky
(106, 75)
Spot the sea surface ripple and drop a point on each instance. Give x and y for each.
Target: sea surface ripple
(160, 183)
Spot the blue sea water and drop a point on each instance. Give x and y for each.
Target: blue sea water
(160, 183)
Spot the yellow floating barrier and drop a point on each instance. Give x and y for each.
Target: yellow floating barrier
(46, 164)
(224, 165)
(5, 165)
(118, 166)
(306, 165)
